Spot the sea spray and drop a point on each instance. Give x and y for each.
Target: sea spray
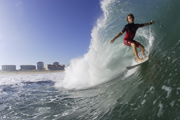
(91, 69)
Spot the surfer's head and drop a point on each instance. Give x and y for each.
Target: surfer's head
(130, 18)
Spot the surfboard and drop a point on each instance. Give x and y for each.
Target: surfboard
(133, 66)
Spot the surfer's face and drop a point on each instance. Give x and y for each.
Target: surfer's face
(130, 19)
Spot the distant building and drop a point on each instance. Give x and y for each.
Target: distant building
(55, 66)
(40, 66)
(27, 67)
(50, 67)
(56, 63)
(8, 67)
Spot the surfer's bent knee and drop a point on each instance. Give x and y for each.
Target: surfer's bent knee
(141, 46)
(133, 44)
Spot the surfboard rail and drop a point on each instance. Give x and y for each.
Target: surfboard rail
(133, 66)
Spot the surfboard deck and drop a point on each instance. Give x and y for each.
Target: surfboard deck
(133, 66)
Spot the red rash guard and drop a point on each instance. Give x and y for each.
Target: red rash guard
(130, 30)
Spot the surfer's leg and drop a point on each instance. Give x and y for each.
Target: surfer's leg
(135, 52)
(142, 51)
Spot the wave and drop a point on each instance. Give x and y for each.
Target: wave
(103, 60)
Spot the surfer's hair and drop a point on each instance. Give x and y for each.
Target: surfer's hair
(131, 16)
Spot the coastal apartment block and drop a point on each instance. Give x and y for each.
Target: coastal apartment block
(54, 67)
(8, 67)
(27, 67)
(40, 66)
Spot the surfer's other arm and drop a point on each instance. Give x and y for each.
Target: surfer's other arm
(118, 35)
(149, 23)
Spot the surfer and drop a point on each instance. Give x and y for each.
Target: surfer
(130, 30)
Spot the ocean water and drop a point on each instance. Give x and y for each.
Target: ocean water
(97, 86)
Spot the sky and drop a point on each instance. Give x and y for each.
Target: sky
(45, 30)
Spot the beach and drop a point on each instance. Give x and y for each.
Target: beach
(29, 72)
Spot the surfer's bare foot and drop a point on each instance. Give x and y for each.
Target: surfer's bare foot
(140, 60)
(144, 57)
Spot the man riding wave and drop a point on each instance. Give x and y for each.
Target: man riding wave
(130, 30)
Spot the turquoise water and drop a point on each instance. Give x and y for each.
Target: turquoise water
(98, 86)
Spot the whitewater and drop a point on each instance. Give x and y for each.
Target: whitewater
(97, 85)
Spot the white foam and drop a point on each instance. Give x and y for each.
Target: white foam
(168, 89)
(131, 71)
(18, 79)
(143, 102)
(160, 112)
(172, 103)
(91, 69)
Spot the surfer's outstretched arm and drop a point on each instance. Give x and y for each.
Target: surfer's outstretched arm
(118, 35)
(149, 23)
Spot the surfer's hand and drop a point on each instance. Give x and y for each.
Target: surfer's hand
(112, 41)
(152, 22)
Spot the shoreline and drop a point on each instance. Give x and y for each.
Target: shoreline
(29, 72)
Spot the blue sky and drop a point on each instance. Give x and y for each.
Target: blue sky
(45, 30)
